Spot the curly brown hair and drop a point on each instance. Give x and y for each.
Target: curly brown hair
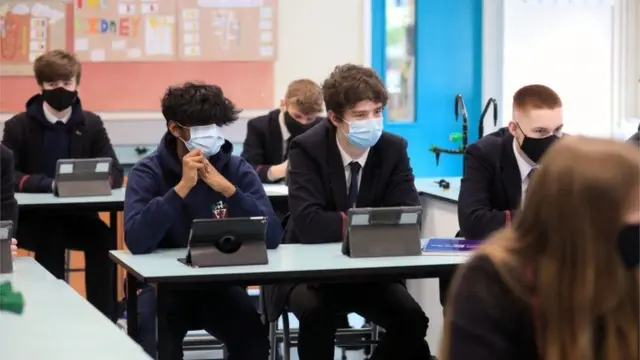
(350, 84)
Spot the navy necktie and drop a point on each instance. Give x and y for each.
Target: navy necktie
(353, 187)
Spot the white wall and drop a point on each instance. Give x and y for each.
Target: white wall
(315, 36)
(585, 64)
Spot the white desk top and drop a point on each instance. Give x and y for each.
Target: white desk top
(116, 198)
(58, 324)
(26, 269)
(430, 186)
(28, 199)
(294, 261)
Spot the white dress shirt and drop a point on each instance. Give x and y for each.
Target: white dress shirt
(524, 167)
(52, 118)
(346, 160)
(285, 132)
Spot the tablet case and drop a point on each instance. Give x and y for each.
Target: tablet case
(6, 258)
(83, 177)
(380, 232)
(227, 242)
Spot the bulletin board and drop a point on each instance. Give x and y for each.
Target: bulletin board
(125, 30)
(242, 30)
(28, 29)
(128, 56)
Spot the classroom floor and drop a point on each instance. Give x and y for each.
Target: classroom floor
(215, 355)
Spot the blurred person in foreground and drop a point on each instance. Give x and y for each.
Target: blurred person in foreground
(562, 282)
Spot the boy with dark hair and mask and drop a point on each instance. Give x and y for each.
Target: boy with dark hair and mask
(499, 166)
(193, 175)
(55, 126)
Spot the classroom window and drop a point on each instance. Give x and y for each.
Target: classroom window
(400, 59)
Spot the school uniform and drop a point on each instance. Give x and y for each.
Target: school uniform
(157, 217)
(488, 320)
(38, 140)
(267, 141)
(322, 179)
(8, 203)
(495, 181)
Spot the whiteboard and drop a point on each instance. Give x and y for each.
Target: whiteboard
(566, 45)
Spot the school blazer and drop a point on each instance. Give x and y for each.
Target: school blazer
(318, 190)
(24, 135)
(263, 145)
(8, 203)
(491, 187)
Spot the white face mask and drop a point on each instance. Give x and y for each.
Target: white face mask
(207, 138)
(364, 133)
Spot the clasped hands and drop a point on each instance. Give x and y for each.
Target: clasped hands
(196, 166)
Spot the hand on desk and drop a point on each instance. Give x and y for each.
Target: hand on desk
(14, 247)
(215, 180)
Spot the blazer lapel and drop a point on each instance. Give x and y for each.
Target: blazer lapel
(511, 180)
(338, 182)
(275, 134)
(368, 180)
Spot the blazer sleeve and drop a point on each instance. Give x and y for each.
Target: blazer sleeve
(253, 150)
(484, 316)
(475, 216)
(401, 188)
(312, 224)
(23, 182)
(8, 203)
(101, 148)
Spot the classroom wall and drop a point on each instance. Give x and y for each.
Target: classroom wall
(313, 37)
(595, 69)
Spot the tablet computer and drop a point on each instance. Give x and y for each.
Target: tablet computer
(389, 231)
(6, 257)
(83, 177)
(224, 242)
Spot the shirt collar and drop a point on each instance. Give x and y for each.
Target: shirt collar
(283, 127)
(52, 118)
(346, 159)
(523, 165)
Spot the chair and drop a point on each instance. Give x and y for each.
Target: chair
(346, 338)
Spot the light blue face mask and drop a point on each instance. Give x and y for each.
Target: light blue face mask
(364, 133)
(207, 138)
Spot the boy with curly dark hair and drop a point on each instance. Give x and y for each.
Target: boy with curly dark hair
(193, 175)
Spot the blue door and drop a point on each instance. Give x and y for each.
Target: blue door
(427, 52)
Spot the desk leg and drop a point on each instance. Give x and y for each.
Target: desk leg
(113, 224)
(132, 307)
(164, 347)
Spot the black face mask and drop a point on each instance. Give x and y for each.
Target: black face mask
(59, 98)
(629, 245)
(535, 148)
(293, 126)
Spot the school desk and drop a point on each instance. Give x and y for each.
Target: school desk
(288, 263)
(57, 323)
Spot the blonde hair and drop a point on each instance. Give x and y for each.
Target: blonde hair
(561, 254)
(306, 95)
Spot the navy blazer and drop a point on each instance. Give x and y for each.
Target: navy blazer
(318, 191)
(491, 187)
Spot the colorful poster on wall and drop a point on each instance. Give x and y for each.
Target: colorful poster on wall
(223, 30)
(27, 30)
(125, 30)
